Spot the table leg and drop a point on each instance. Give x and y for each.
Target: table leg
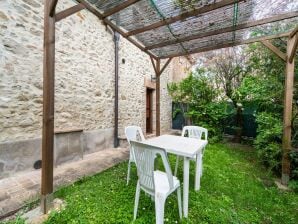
(185, 186)
(198, 171)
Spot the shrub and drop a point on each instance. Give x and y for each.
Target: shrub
(268, 140)
(198, 102)
(294, 165)
(210, 116)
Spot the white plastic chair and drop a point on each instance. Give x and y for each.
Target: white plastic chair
(132, 133)
(195, 132)
(158, 184)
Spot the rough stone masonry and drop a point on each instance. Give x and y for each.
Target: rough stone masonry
(84, 80)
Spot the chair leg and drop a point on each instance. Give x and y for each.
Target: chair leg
(198, 172)
(202, 165)
(128, 172)
(179, 202)
(137, 197)
(159, 209)
(176, 166)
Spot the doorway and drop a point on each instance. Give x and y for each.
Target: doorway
(149, 101)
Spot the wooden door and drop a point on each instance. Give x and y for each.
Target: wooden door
(149, 110)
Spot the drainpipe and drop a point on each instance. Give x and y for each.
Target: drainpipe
(116, 42)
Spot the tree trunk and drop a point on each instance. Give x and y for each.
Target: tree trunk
(239, 123)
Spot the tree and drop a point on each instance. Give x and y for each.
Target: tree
(198, 101)
(265, 87)
(229, 69)
(192, 92)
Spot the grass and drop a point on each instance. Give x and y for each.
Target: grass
(234, 189)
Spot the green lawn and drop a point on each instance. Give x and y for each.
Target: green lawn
(234, 189)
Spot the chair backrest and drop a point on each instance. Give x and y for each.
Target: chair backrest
(195, 132)
(134, 133)
(145, 156)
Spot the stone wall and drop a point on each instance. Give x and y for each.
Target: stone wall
(181, 67)
(84, 95)
(84, 85)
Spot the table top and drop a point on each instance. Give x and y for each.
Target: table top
(181, 146)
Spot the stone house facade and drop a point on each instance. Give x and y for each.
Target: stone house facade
(84, 87)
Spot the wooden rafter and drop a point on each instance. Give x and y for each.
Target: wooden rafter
(294, 48)
(119, 7)
(68, 12)
(158, 72)
(154, 65)
(293, 33)
(274, 49)
(52, 8)
(165, 65)
(224, 45)
(183, 16)
(114, 27)
(225, 30)
(213, 6)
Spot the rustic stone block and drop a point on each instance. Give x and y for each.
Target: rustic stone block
(98, 140)
(3, 195)
(19, 155)
(68, 147)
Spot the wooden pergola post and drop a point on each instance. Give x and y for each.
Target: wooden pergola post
(158, 97)
(50, 18)
(48, 106)
(158, 73)
(288, 100)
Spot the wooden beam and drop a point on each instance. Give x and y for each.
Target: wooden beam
(293, 33)
(225, 30)
(185, 15)
(52, 8)
(165, 65)
(154, 66)
(224, 45)
(68, 12)
(119, 7)
(115, 28)
(274, 49)
(48, 109)
(91, 9)
(158, 73)
(287, 118)
(158, 97)
(293, 51)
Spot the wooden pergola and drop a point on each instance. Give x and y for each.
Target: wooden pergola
(163, 30)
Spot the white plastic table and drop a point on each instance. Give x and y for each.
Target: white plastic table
(185, 147)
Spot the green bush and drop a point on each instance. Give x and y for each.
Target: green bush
(210, 116)
(294, 165)
(199, 103)
(293, 184)
(268, 140)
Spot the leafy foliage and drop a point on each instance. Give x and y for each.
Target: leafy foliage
(197, 98)
(255, 77)
(294, 164)
(17, 220)
(193, 90)
(229, 68)
(268, 141)
(263, 91)
(210, 116)
(265, 87)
